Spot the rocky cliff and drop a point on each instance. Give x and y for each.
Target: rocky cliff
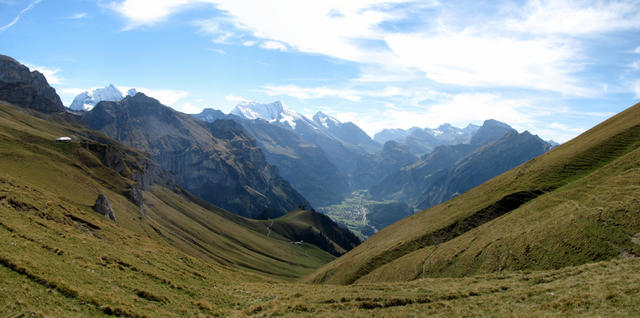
(27, 89)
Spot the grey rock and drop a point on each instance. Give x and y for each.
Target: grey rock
(103, 206)
(27, 89)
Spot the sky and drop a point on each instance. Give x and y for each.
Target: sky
(555, 68)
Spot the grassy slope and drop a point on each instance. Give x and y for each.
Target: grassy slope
(587, 218)
(315, 228)
(87, 266)
(74, 175)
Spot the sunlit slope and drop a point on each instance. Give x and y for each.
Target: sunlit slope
(75, 175)
(312, 227)
(576, 204)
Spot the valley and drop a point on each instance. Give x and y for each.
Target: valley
(364, 216)
(134, 205)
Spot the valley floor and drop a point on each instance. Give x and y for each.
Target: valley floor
(365, 216)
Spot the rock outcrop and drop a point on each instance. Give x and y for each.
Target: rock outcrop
(27, 89)
(103, 206)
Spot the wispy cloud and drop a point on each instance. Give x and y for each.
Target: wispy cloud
(273, 45)
(430, 51)
(219, 51)
(77, 16)
(575, 18)
(538, 52)
(221, 33)
(236, 99)
(17, 18)
(51, 74)
(169, 97)
(309, 92)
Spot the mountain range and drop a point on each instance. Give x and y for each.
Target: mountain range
(322, 159)
(216, 161)
(102, 222)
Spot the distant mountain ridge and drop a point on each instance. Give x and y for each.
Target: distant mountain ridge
(453, 169)
(326, 133)
(423, 140)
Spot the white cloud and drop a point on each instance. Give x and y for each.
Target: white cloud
(236, 99)
(523, 47)
(188, 108)
(563, 127)
(487, 61)
(144, 12)
(167, 97)
(51, 74)
(17, 18)
(219, 51)
(575, 17)
(77, 16)
(273, 45)
(221, 33)
(637, 50)
(309, 93)
(636, 89)
(74, 91)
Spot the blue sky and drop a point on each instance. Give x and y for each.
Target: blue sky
(555, 68)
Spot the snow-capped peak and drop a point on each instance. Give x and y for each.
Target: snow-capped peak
(274, 112)
(323, 119)
(132, 92)
(86, 100)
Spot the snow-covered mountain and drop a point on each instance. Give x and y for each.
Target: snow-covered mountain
(323, 131)
(348, 132)
(275, 112)
(86, 100)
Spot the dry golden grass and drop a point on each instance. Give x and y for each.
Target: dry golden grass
(59, 258)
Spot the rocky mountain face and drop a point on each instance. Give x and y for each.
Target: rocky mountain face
(452, 170)
(304, 165)
(408, 182)
(217, 161)
(370, 169)
(210, 115)
(486, 162)
(27, 89)
(490, 131)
